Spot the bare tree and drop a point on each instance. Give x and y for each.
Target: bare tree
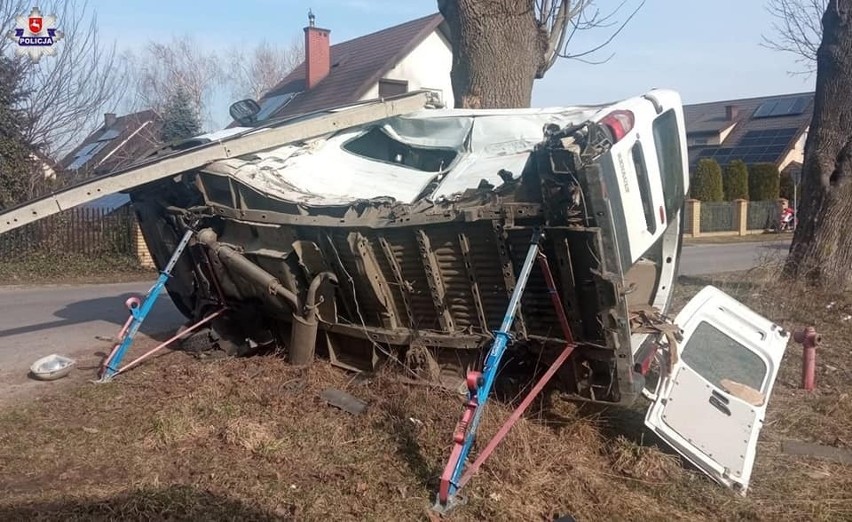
(67, 93)
(822, 244)
(162, 70)
(797, 29)
(501, 46)
(9, 9)
(254, 72)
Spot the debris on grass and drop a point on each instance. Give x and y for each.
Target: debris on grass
(52, 367)
(344, 401)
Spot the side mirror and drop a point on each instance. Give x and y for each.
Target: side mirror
(245, 111)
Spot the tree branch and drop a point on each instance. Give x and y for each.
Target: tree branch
(67, 92)
(597, 22)
(798, 30)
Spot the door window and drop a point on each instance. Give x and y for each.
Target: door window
(667, 141)
(717, 357)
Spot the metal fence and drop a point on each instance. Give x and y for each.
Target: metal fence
(717, 216)
(85, 231)
(761, 214)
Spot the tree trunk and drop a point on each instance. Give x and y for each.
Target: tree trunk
(822, 245)
(497, 49)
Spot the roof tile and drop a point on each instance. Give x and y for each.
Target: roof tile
(355, 66)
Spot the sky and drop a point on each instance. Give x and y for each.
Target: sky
(707, 51)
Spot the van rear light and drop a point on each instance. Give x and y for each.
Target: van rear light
(619, 123)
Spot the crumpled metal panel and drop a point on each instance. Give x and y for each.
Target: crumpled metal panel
(321, 172)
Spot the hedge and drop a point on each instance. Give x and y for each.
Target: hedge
(707, 181)
(763, 182)
(786, 186)
(735, 181)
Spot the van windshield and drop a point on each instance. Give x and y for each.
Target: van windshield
(667, 141)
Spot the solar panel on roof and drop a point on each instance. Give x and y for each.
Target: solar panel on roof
(801, 103)
(272, 104)
(765, 109)
(86, 153)
(782, 107)
(759, 146)
(109, 134)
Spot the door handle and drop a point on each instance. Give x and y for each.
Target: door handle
(722, 398)
(719, 405)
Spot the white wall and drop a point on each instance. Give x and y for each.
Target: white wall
(427, 66)
(797, 153)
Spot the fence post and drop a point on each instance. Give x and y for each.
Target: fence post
(741, 216)
(693, 227)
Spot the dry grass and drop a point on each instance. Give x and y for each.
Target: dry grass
(250, 439)
(70, 268)
(646, 463)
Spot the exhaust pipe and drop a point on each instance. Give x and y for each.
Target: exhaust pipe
(303, 336)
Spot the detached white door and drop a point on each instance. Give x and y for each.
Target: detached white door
(711, 406)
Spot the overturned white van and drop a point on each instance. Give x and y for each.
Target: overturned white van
(388, 231)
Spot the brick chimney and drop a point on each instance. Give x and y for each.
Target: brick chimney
(731, 112)
(109, 119)
(317, 53)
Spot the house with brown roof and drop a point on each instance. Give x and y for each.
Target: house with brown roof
(768, 129)
(117, 143)
(410, 56)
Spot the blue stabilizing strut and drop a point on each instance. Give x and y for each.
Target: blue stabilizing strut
(480, 390)
(140, 312)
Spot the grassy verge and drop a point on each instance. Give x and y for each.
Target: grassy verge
(72, 268)
(250, 439)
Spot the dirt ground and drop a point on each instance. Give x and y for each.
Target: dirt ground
(251, 439)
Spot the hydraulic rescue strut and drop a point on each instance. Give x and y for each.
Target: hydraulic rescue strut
(139, 311)
(479, 384)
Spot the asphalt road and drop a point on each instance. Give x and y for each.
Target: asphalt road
(730, 257)
(39, 321)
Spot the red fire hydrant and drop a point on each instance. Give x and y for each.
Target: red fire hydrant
(809, 340)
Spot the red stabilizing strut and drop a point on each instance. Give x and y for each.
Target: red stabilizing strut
(554, 297)
(459, 435)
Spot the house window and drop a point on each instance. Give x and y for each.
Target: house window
(388, 88)
(699, 141)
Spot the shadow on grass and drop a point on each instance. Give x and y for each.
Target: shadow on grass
(407, 446)
(170, 503)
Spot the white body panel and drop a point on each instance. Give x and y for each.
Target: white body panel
(323, 172)
(711, 406)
